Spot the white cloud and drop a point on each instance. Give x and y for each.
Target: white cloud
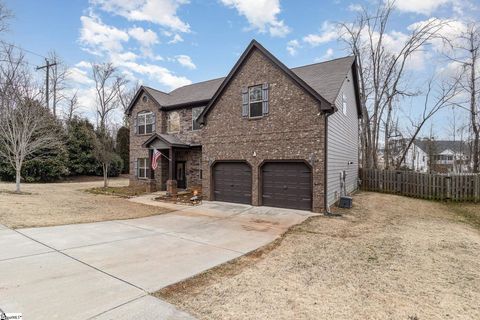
(99, 37)
(293, 46)
(185, 61)
(261, 14)
(146, 38)
(355, 7)
(83, 65)
(161, 12)
(176, 38)
(328, 32)
(157, 73)
(423, 7)
(327, 56)
(79, 76)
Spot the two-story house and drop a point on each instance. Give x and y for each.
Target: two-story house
(263, 135)
(430, 155)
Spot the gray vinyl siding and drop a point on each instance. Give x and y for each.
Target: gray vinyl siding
(342, 143)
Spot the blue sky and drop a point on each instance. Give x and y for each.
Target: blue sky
(167, 43)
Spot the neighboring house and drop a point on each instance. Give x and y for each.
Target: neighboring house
(263, 135)
(443, 156)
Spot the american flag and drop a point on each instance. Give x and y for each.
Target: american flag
(155, 156)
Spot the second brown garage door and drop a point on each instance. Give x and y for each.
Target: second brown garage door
(232, 182)
(287, 185)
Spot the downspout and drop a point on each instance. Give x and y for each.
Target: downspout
(325, 175)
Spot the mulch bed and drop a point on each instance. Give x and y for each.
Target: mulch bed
(182, 197)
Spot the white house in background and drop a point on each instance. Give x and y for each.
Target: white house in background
(427, 155)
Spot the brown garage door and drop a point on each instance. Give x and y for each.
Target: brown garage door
(287, 185)
(232, 182)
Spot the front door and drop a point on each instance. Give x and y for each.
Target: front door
(180, 174)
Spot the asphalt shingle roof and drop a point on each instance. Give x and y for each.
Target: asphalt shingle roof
(440, 146)
(326, 78)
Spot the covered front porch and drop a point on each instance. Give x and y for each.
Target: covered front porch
(178, 164)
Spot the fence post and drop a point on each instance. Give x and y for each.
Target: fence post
(448, 187)
(476, 190)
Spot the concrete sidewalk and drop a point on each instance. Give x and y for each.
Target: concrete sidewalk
(106, 270)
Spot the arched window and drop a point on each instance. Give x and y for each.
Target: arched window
(173, 122)
(145, 122)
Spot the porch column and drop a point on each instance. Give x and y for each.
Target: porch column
(171, 182)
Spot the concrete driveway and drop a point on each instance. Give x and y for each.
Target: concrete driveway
(106, 270)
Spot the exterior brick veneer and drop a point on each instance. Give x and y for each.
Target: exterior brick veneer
(293, 130)
(192, 156)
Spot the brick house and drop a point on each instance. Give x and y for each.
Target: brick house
(264, 135)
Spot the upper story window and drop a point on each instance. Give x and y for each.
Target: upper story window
(255, 100)
(145, 122)
(344, 104)
(144, 98)
(195, 113)
(173, 124)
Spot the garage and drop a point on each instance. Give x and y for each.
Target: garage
(232, 182)
(286, 185)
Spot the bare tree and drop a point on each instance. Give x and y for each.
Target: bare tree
(107, 84)
(437, 97)
(126, 95)
(58, 78)
(107, 81)
(71, 107)
(5, 15)
(25, 125)
(466, 52)
(382, 69)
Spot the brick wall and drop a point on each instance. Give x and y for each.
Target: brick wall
(136, 140)
(294, 128)
(186, 134)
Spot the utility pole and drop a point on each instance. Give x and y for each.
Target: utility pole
(47, 78)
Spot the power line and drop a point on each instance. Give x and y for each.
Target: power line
(23, 49)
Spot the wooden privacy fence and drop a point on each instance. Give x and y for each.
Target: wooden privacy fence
(454, 187)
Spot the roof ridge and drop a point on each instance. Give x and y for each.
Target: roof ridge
(147, 87)
(315, 63)
(194, 83)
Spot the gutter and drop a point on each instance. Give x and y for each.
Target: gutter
(325, 184)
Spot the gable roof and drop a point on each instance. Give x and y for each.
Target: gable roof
(324, 104)
(440, 146)
(168, 139)
(322, 80)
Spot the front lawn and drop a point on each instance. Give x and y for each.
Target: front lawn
(51, 204)
(389, 257)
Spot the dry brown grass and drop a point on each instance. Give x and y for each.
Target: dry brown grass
(389, 257)
(65, 203)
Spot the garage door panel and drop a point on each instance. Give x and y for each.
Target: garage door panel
(232, 182)
(287, 185)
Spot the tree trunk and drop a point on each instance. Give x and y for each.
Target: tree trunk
(387, 136)
(105, 175)
(474, 114)
(17, 180)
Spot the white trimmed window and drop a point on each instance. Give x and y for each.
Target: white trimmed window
(344, 104)
(145, 122)
(143, 168)
(255, 99)
(195, 113)
(173, 124)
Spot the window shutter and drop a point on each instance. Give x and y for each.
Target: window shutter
(154, 122)
(244, 102)
(135, 168)
(265, 99)
(135, 127)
